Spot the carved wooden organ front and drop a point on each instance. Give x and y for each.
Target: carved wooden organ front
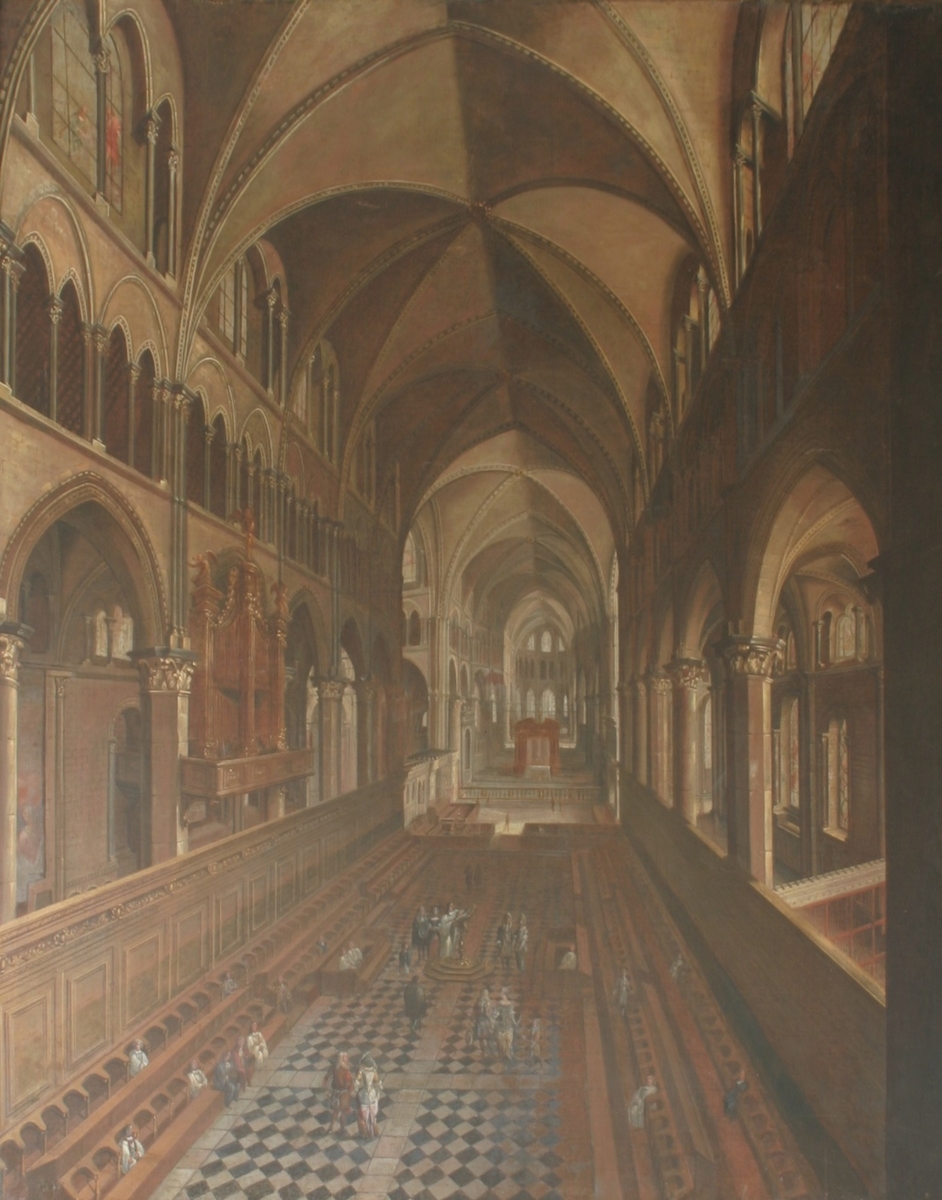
(237, 705)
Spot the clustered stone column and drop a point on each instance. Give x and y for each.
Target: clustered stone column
(751, 663)
(165, 692)
(687, 677)
(13, 640)
(659, 739)
(331, 700)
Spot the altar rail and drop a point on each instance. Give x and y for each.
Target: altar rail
(429, 779)
(82, 975)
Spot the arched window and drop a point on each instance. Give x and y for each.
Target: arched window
(70, 376)
(217, 469)
(546, 642)
(548, 704)
(114, 127)
(845, 634)
(410, 565)
(144, 415)
(531, 642)
(166, 172)
(33, 333)
(560, 646)
(196, 452)
(246, 478)
(115, 431)
(811, 33)
(789, 752)
(837, 776)
(348, 725)
(226, 318)
(74, 91)
(531, 703)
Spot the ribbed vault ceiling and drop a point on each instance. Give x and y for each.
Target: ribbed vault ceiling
(483, 206)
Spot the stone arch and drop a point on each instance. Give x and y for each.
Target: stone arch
(64, 243)
(121, 538)
(818, 508)
(703, 608)
(351, 640)
(131, 301)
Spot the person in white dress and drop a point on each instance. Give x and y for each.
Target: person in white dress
(637, 1111)
(131, 1148)
(256, 1045)
(137, 1058)
(196, 1079)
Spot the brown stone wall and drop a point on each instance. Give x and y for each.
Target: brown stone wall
(833, 1049)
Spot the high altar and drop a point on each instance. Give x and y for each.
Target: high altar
(536, 748)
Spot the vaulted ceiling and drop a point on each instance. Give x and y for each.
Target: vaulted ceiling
(484, 206)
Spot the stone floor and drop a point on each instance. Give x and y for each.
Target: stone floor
(549, 1124)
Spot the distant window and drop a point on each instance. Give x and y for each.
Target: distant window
(548, 704)
(346, 666)
(560, 646)
(837, 776)
(821, 25)
(242, 290)
(789, 775)
(531, 704)
(546, 642)
(531, 642)
(74, 91)
(410, 565)
(227, 307)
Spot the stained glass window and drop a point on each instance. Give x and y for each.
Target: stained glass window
(821, 25)
(227, 294)
(114, 128)
(74, 91)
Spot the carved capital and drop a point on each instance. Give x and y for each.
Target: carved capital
(99, 339)
(658, 683)
(12, 268)
(760, 657)
(102, 59)
(165, 673)
(54, 308)
(173, 161)
(687, 672)
(151, 128)
(11, 647)
(332, 689)
(282, 315)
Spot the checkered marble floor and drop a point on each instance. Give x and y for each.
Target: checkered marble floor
(454, 1121)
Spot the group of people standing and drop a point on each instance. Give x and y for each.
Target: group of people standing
(496, 1024)
(234, 1069)
(439, 933)
(513, 942)
(350, 1093)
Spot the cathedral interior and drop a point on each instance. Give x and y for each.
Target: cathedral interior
(466, 458)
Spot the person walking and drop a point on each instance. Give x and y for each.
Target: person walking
(521, 942)
(505, 940)
(415, 1002)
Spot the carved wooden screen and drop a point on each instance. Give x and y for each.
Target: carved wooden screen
(237, 702)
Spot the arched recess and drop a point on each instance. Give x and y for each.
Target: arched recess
(818, 507)
(110, 524)
(381, 672)
(415, 690)
(352, 642)
(812, 594)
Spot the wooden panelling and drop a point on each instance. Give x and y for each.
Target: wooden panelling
(189, 947)
(228, 921)
(26, 1033)
(285, 874)
(143, 986)
(88, 993)
(82, 976)
(259, 894)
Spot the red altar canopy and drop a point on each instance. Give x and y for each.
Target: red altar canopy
(536, 747)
